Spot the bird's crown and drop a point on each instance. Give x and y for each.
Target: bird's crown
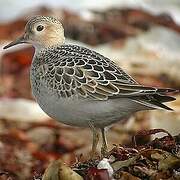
(41, 32)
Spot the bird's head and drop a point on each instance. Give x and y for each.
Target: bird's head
(41, 32)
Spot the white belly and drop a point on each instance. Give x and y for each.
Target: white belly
(78, 112)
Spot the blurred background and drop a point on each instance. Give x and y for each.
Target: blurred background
(141, 36)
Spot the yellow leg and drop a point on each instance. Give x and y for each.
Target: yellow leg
(104, 148)
(95, 140)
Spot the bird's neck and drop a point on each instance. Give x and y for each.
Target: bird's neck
(50, 40)
(49, 45)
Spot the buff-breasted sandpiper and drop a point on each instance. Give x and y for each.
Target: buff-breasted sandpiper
(80, 87)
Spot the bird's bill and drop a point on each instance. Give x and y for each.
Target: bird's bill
(19, 40)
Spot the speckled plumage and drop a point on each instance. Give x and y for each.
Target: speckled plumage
(80, 87)
(74, 72)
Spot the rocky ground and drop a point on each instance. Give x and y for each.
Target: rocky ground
(30, 140)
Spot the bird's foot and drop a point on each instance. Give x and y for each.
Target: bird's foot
(93, 155)
(104, 148)
(104, 151)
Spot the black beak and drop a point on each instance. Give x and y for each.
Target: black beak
(19, 40)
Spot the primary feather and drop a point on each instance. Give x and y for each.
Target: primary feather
(73, 70)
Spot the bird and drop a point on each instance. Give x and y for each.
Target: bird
(80, 87)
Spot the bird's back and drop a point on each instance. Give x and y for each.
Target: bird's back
(73, 71)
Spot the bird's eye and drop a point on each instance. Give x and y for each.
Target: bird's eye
(40, 28)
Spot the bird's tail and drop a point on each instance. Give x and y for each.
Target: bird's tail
(155, 101)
